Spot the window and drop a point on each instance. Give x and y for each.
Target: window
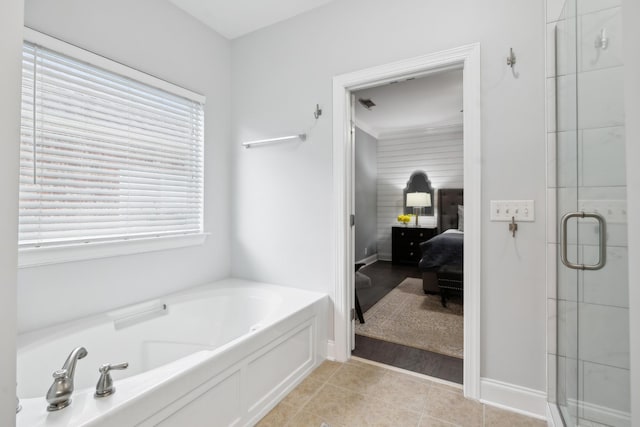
(105, 157)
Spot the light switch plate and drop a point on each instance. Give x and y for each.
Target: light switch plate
(519, 210)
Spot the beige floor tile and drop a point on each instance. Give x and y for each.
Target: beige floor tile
(379, 413)
(323, 372)
(447, 387)
(358, 378)
(495, 417)
(453, 407)
(427, 421)
(402, 391)
(338, 405)
(279, 416)
(307, 419)
(300, 395)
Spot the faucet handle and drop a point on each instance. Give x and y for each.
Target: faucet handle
(108, 367)
(105, 387)
(60, 373)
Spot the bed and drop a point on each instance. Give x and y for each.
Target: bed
(447, 247)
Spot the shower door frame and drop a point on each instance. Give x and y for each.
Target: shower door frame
(465, 57)
(631, 82)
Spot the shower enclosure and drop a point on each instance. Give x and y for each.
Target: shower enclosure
(589, 352)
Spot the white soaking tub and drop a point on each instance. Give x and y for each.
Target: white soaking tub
(216, 355)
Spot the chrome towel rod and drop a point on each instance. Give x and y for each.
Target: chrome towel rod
(249, 144)
(301, 136)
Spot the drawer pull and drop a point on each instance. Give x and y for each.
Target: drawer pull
(411, 244)
(410, 253)
(421, 234)
(402, 234)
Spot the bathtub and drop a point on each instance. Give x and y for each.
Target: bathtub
(216, 355)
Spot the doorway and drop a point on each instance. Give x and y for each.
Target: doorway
(467, 58)
(408, 163)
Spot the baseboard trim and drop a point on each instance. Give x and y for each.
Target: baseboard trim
(331, 350)
(368, 260)
(554, 419)
(526, 401)
(384, 257)
(600, 414)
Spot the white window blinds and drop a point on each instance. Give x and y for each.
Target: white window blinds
(104, 157)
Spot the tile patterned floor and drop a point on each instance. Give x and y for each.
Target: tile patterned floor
(360, 394)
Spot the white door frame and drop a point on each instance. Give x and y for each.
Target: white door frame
(467, 57)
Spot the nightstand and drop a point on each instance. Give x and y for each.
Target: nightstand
(405, 243)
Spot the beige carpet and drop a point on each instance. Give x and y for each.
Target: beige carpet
(407, 316)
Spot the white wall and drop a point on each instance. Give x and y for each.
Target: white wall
(160, 39)
(283, 193)
(437, 153)
(631, 18)
(366, 194)
(11, 58)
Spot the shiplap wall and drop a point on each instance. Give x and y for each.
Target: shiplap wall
(438, 153)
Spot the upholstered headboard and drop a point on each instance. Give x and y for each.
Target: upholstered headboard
(448, 201)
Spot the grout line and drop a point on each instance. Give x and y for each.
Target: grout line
(302, 407)
(484, 414)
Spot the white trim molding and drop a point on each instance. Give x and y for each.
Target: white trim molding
(366, 128)
(553, 415)
(526, 401)
(368, 260)
(331, 350)
(33, 257)
(468, 58)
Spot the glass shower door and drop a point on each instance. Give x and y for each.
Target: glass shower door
(592, 348)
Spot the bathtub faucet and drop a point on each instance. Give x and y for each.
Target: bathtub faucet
(59, 394)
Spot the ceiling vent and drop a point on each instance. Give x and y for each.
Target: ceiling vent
(366, 103)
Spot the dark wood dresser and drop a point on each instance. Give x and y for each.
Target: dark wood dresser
(405, 243)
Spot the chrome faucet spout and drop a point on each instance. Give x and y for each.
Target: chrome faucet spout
(59, 394)
(70, 363)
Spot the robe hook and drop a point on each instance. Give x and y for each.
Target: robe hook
(511, 59)
(318, 112)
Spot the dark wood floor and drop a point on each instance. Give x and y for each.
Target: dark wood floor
(384, 277)
(409, 358)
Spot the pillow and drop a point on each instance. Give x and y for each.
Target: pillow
(460, 217)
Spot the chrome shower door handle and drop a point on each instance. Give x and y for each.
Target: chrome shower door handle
(602, 236)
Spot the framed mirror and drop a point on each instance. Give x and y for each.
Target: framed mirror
(418, 182)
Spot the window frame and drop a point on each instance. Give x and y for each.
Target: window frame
(35, 256)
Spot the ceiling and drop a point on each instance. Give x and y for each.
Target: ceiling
(426, 102)
(239, 17)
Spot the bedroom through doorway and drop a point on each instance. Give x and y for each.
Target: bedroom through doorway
(408, 198)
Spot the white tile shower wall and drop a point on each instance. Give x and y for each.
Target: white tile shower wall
(598, 144)
(603, 335)
(590, 6)
(440, 157)
(600, 298)
(602, 386)
(591, 30)
(609, 286)
(600, 99)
